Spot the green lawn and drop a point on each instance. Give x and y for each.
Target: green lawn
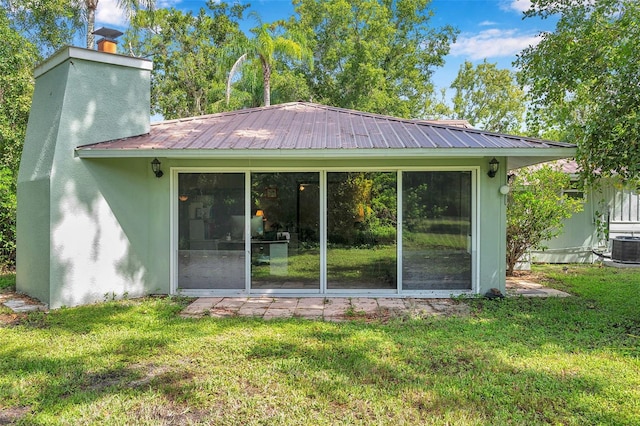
(573, 361)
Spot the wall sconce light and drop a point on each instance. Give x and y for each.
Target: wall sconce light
(183, 197)
(493, 167)
(155, 166)
(260, 213)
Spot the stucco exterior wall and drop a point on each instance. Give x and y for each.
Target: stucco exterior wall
(492, 233)
(73, 246)
(96, 228)
(577, 240)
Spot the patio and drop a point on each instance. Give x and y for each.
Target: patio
(346, 308)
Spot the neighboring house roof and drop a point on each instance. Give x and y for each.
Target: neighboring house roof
(299, 128)
(453, 123)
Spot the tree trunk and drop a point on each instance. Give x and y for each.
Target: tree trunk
(234, 68)
(92, 5)
(266, 80)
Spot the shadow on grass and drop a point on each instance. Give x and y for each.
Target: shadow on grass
(521, 361)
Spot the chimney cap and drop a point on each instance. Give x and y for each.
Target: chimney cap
(108, 33)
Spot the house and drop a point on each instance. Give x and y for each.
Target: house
(610, 210)
(296, 199)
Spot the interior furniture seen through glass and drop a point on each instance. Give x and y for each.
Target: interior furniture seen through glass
(436, 230)
(285, 231)
(211, 248)
(361, 230)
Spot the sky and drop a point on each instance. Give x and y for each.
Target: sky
(489, 29)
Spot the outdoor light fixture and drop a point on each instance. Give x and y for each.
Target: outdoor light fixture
(155, 166)
(493, 167)
(183, 197)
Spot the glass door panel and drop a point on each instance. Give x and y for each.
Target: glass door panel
(211, 248)
(436, 231)
(285, 231)
(361, 230)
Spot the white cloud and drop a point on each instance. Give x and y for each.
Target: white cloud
(108, 13)
(516, 5)
(487, 24)
(492, 43)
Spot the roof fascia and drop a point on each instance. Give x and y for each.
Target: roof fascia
(553, 153)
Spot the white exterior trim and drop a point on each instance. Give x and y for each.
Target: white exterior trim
(71, 52)
(541, 154)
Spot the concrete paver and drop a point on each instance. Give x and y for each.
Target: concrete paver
(275, 313)
(311, 303)
(284, 303)
(223, 312)
(391, 303)
(309, 313)
(231, 303)
(252, 311)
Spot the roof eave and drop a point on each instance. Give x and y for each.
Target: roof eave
(517, 156)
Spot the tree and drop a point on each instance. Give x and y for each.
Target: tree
(266, 45)
(372, 55)
(584, 83)
(489, 98)
(189, 54)
(49, 25)
(536, 208)
(131, 7)
(17, 59)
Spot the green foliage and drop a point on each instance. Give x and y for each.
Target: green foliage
(7, 218)
(536, 210)
(17, 58)
(188, 51)
(271, 44)
(362, 210)
(583, 83)
(372, 55)
(49, 24)
(7, 281)
(489, 98)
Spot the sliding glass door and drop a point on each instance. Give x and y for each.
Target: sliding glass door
(436, 230)
(312, 232)
(361, 231)
(211, 217)
(285, 231)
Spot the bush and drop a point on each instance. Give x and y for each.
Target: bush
(536, 210)
(7, 219)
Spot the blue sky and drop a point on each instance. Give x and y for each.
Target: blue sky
(491, 29)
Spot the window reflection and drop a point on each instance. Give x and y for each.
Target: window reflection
(285, 231)
(210, 231)
(436, 231)
(361, 230)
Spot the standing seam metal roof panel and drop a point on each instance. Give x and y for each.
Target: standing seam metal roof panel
(302, 125)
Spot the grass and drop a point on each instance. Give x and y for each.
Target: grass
(7, 281)
(571, 361)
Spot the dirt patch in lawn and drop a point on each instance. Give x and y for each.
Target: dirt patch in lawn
(11, 415)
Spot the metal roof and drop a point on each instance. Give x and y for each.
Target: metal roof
(304, 129)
